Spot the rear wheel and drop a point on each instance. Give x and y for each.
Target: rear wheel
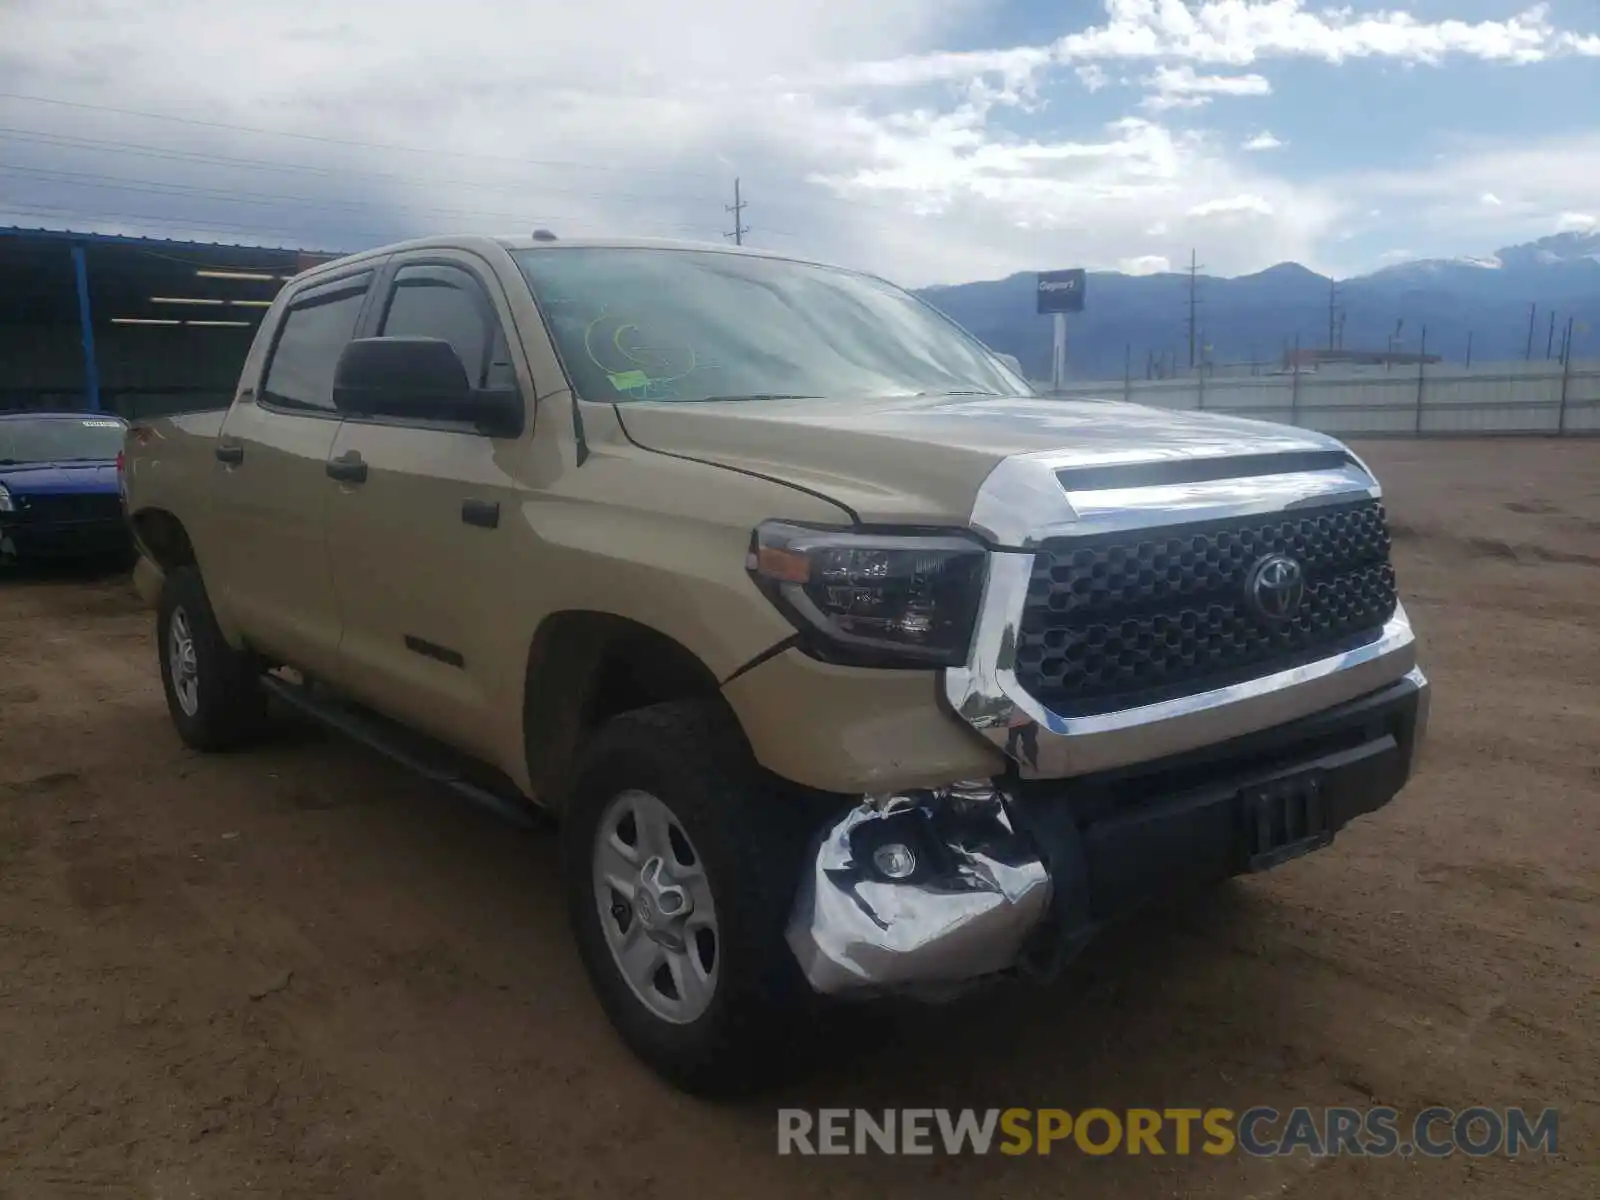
(681, 864)
(214, 692)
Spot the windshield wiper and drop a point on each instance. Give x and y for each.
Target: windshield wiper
(961, 392)
(761, 396)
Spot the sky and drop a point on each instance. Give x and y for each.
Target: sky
(931, 141)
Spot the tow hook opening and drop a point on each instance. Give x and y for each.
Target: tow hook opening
(918, 892)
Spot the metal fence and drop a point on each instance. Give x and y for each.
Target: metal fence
(1543, 398)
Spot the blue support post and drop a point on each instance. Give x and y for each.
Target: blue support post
(91, 368)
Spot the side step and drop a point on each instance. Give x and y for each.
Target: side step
(471, 780)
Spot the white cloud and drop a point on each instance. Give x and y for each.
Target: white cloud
(854, 139)
(1240, 32)
(1137, 181)
(1243, 205)
(1576, 222)
(1092, 76)
(912, 71)
(1181, 87)
(1468, 190)
(1145, 264)
(1237, 33)
(1442, 202)
(1396, 256)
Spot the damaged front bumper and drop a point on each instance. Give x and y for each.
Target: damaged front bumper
(926, 892)
(918, 891)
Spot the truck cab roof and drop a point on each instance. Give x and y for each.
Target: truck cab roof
(530, 241)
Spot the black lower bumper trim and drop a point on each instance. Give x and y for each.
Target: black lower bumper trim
(1116, 842)
(68, 539)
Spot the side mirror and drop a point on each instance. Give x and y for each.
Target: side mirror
(1012, 361)
(421, 379)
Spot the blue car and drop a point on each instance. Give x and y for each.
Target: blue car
(59, 492)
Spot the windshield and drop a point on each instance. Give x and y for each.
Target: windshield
(59, 439)
(648, 324)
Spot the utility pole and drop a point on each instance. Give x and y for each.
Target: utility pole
(1294, 394)
(1469, 347)
(1527, 355)
(737, 209)
(1194, 303)
(1333, 314)
(1550, 342)
(1422, 375)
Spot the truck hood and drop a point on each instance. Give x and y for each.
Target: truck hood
(49, 478)
(922, 460)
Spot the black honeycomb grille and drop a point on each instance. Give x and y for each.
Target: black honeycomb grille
(1118, 620)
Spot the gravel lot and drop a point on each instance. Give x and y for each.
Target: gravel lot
(301, 972)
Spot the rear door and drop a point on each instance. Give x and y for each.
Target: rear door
(272, 489)
(420, 540)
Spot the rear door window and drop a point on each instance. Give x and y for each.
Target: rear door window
(314, 333)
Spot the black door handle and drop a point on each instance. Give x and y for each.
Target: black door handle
(483, 513)
(347, 468)
(229, 453)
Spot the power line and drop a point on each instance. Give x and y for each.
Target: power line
(333, 141)
(290, 233)
(232, 229)
(145, 150)
(737, 209)
(350, 142)
(160, 188)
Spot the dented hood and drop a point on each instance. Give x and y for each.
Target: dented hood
(922, 460)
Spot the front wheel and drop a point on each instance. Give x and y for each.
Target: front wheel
(680, 867)
(214, 692)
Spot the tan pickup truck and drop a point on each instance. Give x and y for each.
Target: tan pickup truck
(849, 664)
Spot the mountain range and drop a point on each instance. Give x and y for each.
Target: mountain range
(1140, 322)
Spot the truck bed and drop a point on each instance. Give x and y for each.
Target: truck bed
(167, 460)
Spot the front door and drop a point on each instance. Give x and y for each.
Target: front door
(419, 539)
(272, 488)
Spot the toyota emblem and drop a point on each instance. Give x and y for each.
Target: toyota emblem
(1274, 588)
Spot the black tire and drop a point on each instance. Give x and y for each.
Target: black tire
(750, 840)
(230, 708)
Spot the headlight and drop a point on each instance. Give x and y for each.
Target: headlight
(7, 504)
(873, 599)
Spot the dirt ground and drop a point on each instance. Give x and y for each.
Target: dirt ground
(301, 972)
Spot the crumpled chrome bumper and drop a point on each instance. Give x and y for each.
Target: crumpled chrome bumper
(919, 891)
(925, 892)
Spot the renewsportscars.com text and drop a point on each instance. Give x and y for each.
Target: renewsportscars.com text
(1260, 1132)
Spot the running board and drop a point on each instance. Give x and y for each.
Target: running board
(432, 760)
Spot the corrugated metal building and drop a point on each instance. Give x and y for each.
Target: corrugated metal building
(138, 326)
